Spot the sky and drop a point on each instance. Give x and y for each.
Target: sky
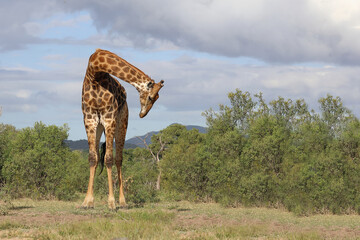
(203, 49)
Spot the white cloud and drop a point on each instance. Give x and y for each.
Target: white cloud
(28, 108)
(23, 94)
(274, 31)
(58, 21)
(14, 15)
(338, 12)
(206, 83)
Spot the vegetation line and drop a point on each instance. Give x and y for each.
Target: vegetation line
(279, 154)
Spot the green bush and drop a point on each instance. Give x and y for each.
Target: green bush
(139, 174)
(7, 134)
(270, 155)
(38, 163)
(184, 173)
(76, 177)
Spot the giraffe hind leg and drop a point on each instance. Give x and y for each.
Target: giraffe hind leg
(94, 132)
(108, 160)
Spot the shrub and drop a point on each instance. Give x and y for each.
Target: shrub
(38, 163)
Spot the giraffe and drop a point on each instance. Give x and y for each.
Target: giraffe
(105, 110)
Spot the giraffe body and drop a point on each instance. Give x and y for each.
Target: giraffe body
(105, 110)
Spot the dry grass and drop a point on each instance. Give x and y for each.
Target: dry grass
(29, 219)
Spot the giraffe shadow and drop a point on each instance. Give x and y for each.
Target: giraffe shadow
(183, 209)
(20, 207)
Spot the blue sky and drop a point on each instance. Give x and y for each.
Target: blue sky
(203, 49)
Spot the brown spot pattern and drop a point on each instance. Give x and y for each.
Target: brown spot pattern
(93, 94)
(115, 68)
(110, 61)
(106, 96)
(86, 97)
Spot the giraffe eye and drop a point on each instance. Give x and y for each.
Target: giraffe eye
(150, 85)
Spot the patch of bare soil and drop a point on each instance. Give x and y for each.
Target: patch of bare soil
(23, 225)
(37, 219)
(340, 233)
(326, 233)
(193, 222)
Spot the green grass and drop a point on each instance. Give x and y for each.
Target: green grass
(168, 220)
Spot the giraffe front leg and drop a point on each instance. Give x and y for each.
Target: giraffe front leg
(111, 198)
(119, 158)
(120, 141)
(122, 201)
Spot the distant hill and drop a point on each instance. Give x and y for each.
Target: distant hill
(201, 129)
(78, 144)
(135, 141)
(130, 143)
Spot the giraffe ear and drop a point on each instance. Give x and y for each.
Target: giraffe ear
(150, 85)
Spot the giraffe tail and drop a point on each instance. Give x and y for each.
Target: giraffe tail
(102, 156)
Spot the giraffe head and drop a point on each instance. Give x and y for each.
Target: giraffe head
(148, 96)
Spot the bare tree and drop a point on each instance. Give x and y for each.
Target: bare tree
(156, 156)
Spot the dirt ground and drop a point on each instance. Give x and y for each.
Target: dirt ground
(28, 219)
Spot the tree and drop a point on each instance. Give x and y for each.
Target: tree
(238, 115)
(261, 154)
(37, 163)
(156, 157)
(184, 173)
(160, 142)
(242, 107)
(140, 175)
(334, 113)
(7, 134)
(289, 113)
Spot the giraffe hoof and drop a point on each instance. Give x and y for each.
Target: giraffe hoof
(123, 205)
(87, 204)
(86, 207)
(90, 206)
(111, 204)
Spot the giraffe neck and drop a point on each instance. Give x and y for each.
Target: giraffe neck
(105, 61)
